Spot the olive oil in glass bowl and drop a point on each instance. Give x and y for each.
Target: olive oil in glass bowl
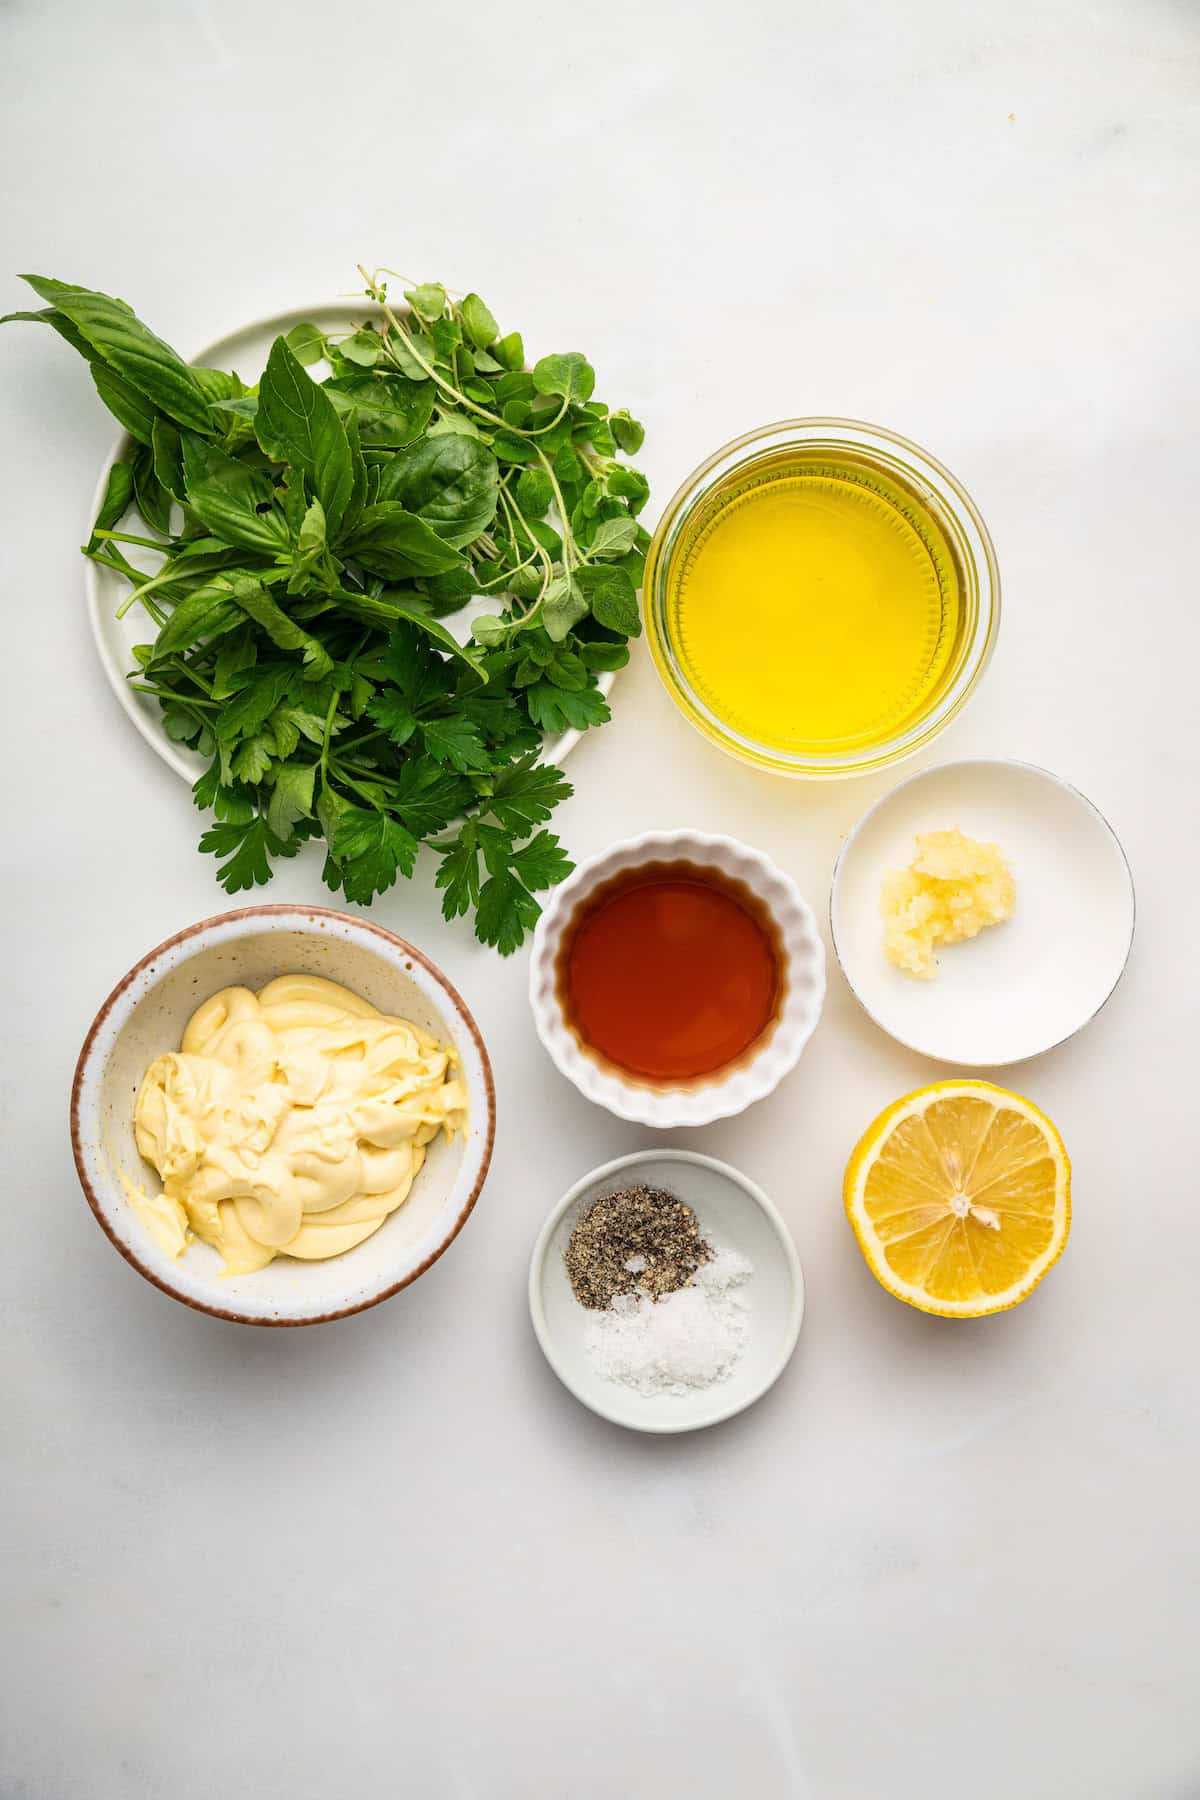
(821, 597)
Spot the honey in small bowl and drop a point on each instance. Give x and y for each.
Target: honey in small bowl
(670, 973)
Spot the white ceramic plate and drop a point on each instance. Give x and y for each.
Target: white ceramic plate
(733, 1214)
(1019, 988)
(244, 351)
(728, 1091)
(145, 1016)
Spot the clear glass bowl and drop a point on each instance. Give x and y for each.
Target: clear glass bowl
(933, 486)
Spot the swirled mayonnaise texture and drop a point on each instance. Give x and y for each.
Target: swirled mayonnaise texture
(291, 1122)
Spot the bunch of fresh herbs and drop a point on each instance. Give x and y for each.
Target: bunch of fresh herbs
(315, 534)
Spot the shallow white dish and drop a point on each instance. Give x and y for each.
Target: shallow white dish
(734, 1214)
(1020, 988)
(145, 1016)
(729, 1091)
(245, 352)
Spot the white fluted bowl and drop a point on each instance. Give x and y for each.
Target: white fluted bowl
(727, 1092)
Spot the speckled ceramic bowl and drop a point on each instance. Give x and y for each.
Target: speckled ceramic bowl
(754, 1075)
(145, 1015)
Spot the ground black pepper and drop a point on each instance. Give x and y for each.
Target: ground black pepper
(645, 1227)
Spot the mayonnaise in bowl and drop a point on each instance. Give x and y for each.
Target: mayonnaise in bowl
(291, 1122)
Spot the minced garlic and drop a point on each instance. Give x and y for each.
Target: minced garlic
(953, 890)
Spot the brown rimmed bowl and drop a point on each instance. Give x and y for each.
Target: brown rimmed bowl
(145, 1015)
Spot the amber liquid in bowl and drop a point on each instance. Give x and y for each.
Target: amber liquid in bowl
(670, 972)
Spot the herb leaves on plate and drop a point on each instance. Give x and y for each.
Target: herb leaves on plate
(315, 534)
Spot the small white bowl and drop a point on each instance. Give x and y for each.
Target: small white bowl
(734, 1214)
(145, 1016)
(1020, 988)
(728, 1091)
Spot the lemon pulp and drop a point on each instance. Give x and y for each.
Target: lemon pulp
(960, 1197)
(815, 604)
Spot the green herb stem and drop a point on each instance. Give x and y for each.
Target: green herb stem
(448, 387)
(125, 537)
(571, 554)
(190, 700)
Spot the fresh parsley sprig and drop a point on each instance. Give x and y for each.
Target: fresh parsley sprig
(314, 534)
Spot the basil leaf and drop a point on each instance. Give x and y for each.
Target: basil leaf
(390, 410)
(233, 419)
(128, 406)
(168, 458)
(448, 480)
(393, 542)
(445, 640)
(226, 496)
(309, 556)
(358, 477)
(216, 385)
(237, 654)
(49, 315)
(208, 611)
(130, 349)
(297, 422)
(310, 540)
(239, 406)
(153, 500)
(118, 497)
(258, 605)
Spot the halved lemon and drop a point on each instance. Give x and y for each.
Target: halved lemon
(960, 1197)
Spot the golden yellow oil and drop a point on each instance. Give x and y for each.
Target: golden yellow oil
(814, 603)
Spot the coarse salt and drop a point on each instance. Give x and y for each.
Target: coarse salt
(689, 1339)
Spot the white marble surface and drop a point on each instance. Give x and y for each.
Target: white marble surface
(393, 1556)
